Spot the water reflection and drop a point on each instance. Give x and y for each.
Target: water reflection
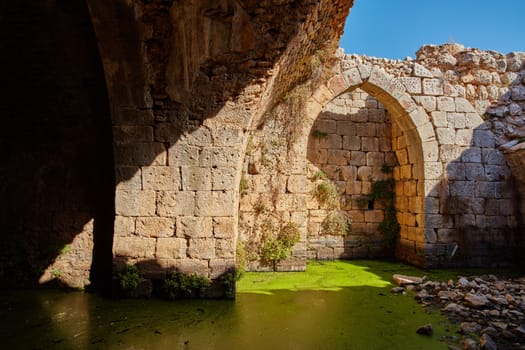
(353, 317)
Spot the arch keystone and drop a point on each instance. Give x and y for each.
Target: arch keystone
(353, 77)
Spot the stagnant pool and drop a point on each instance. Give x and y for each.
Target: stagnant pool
(334, 305)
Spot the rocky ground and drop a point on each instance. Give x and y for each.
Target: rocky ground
(489, 311)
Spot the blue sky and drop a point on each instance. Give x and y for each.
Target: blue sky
(398, 28)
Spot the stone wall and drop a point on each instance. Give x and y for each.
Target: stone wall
(197, 77)
(454, 194)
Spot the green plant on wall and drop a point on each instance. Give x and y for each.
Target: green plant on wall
(179, 285)
(336, 223)
(327, 193)
(319, 134)
(240, 257)
(279, 248)
(243, 186)
(383, 191)
(130, 277)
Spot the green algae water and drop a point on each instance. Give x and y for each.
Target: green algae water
(334, 305)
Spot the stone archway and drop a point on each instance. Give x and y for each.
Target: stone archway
(414, 144)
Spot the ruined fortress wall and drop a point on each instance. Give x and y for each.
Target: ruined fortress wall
(455, 199)
(198, 76)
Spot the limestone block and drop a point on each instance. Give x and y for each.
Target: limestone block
(357, 158)
(365, 129)
(345, 128)
(201, 248)
(135, 203)
(161, 178)
(140, 154)
(375, 159)
(332, 141)
(224, 249)
(128, 178)
(493, 157)
(226, 136)
(434, 221)
(223, 179)
(420, 71)
(261, 183)
(364, 70)
(463, 105)
(196, 179)
(322, 95)
(432, 205)
(124, 225)
(419, 117)
(446, 104)
(379, 78)
(461, 188)
(290, 202)
(326, 125)
(218, 267)
(132, 133)
(175, 203)
(195, 227)
(134, 247)
(366, 186)
(448, 153)
(353, 187)
(215, 203)
(497, 172)
(368, 144)
(352, 143)
(430, 151)
(412, 85)
(463, 137)
(183, 155)
(427, 102)
(406, 171)
(432, 87)
(374, 216)
(361, 116)
(171, 248)
(296, 184)
(364, 173)
(338, 157)
(410, 188)
(191, 266)
(337, 84)
(483, 138)
(224, 227)
(371, 103)
(457, 120)
(376, 115)
(219, 157)
(471, 155)
(352, 76)
(446, 136)
(433, 170)
(200, 137)
(439, 119)
(155, 227)
(426, 133)
(167, 132)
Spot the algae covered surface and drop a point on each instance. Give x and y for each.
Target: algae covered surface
(334, 305)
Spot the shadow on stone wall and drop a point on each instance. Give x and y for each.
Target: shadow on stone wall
(471, 213)
(57, 171)
(58, 174)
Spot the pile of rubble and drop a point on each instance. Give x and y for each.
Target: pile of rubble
(490, 311)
